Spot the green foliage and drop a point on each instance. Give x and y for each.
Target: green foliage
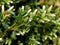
(33, 23)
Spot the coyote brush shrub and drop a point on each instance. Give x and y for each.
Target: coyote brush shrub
(28, 25)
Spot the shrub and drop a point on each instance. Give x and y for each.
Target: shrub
(30, 23)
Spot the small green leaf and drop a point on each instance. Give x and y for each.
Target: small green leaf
(13, 35)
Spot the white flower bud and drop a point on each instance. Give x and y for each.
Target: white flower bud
(46, 19)
(17, 33)
(2, 8)
(28, 12)
(53, 15)
(44, 7)
(50, 8)
(11, 8)
(1, 39)
(23, 8)
(35, 11)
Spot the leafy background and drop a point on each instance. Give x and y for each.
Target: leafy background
(29, 22)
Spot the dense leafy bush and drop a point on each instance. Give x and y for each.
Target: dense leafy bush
(29, 22)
